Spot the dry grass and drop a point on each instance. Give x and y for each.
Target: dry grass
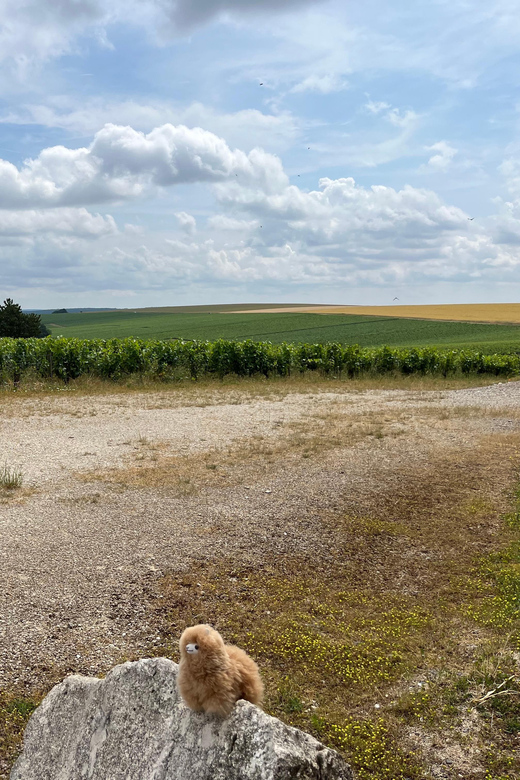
(11, 478)
(11, 485)
(209, 391)
(18, 496)
(152, 466)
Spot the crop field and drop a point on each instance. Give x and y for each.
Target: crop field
(505, 313)
(278, 327)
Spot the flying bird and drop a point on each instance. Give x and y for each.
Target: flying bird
(261, 83)
(471, 219)
(396, 299)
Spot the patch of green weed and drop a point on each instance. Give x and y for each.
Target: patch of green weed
(14, 714)
(372, 749)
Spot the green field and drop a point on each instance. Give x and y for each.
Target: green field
(212, 323)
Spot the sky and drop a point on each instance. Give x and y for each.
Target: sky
(174, 152)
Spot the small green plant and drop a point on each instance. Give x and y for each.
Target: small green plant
(14, 714)
(10, 478)
(21, 708)
(288, 699)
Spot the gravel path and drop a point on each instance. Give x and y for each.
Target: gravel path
(76, 557)
(504, 395)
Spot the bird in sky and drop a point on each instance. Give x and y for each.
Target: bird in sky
(261, 83)
(396, 299)
(471, 219)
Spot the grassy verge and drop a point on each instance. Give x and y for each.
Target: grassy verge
(31, 386)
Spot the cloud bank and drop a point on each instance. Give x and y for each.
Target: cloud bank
(262, 230)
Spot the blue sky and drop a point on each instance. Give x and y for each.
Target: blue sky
(169, 152)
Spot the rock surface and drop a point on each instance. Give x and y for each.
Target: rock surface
(133, 725)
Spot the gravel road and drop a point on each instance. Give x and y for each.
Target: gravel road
(77, 557)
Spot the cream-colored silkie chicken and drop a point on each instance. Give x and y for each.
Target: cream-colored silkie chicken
(213, 675)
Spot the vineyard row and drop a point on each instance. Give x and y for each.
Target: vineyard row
(69, 358)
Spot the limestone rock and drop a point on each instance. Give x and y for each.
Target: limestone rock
(133, 725)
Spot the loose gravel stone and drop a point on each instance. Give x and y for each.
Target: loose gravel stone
(77, 558)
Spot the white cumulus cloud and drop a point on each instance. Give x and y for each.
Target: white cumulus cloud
(340, 235)
(123, 163)
(339, 209)
(263, 230)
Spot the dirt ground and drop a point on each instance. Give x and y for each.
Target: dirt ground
(77, 554)
(120, 489)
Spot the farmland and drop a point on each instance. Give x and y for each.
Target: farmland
(211, 323)
(505, 313)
